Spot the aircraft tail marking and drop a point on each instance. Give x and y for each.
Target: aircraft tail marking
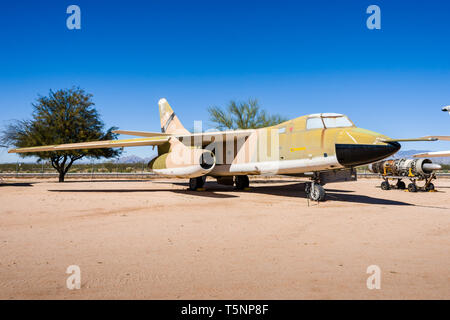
(169, 121)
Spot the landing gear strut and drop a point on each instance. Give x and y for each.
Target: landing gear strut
(315, 191)
(241, 182)
(196, 183)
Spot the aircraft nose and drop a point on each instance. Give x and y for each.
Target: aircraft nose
(350, 155)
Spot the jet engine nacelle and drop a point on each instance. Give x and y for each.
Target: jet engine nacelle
(404, 167)
(184, 162)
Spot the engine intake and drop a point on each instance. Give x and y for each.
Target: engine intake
(184, 163)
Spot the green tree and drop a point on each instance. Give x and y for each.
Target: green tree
(65, 116)
(242, 115)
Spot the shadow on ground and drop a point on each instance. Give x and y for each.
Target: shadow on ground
(294, 190)
(206, 194)
(16, 184)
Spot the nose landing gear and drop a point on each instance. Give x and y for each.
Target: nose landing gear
(315, 191)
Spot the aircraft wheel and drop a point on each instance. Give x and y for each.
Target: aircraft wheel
(241, 182)
(196, 183)
(385, 185)
(430, 187)
(401, 185)
(307, 189)
(317, 192)
(412, 187)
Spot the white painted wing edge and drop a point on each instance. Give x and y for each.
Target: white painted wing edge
(95, 145)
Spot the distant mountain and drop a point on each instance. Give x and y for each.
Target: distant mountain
(130, 159)
(133, 159)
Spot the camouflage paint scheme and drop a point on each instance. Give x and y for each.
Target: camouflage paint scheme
(287, 148)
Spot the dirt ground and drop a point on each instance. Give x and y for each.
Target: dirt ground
(156, 240)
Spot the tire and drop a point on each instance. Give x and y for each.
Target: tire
(307, 189)
(241, 182)
(430, 187)
(317, 192)
(401, 185)
(412, 187)
(196, 183)
(385, 185)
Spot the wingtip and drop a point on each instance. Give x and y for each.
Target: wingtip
(162, 101)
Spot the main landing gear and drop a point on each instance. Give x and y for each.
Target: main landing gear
(241, 182)
(315, 191)
(196, 183)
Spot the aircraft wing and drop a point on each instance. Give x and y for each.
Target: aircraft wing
(96, 145)
(432, 154)
(204, 137)
(446, 138)
(427, 138)
(142, 133)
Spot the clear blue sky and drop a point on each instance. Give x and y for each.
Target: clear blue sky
(296, 57)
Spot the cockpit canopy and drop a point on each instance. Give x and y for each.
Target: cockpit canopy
(327, 120)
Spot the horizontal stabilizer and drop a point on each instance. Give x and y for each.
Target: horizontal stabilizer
(96, 145)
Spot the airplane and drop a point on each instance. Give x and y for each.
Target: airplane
(436, 153)
(323, 147)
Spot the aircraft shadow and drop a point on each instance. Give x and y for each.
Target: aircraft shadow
(297, 190)
(106, 180)
(206, 193)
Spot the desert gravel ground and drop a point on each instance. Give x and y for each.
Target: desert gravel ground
(136, 239)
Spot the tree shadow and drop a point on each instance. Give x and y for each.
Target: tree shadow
(16, 184)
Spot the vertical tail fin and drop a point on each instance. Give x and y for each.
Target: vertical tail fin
(169, 121)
